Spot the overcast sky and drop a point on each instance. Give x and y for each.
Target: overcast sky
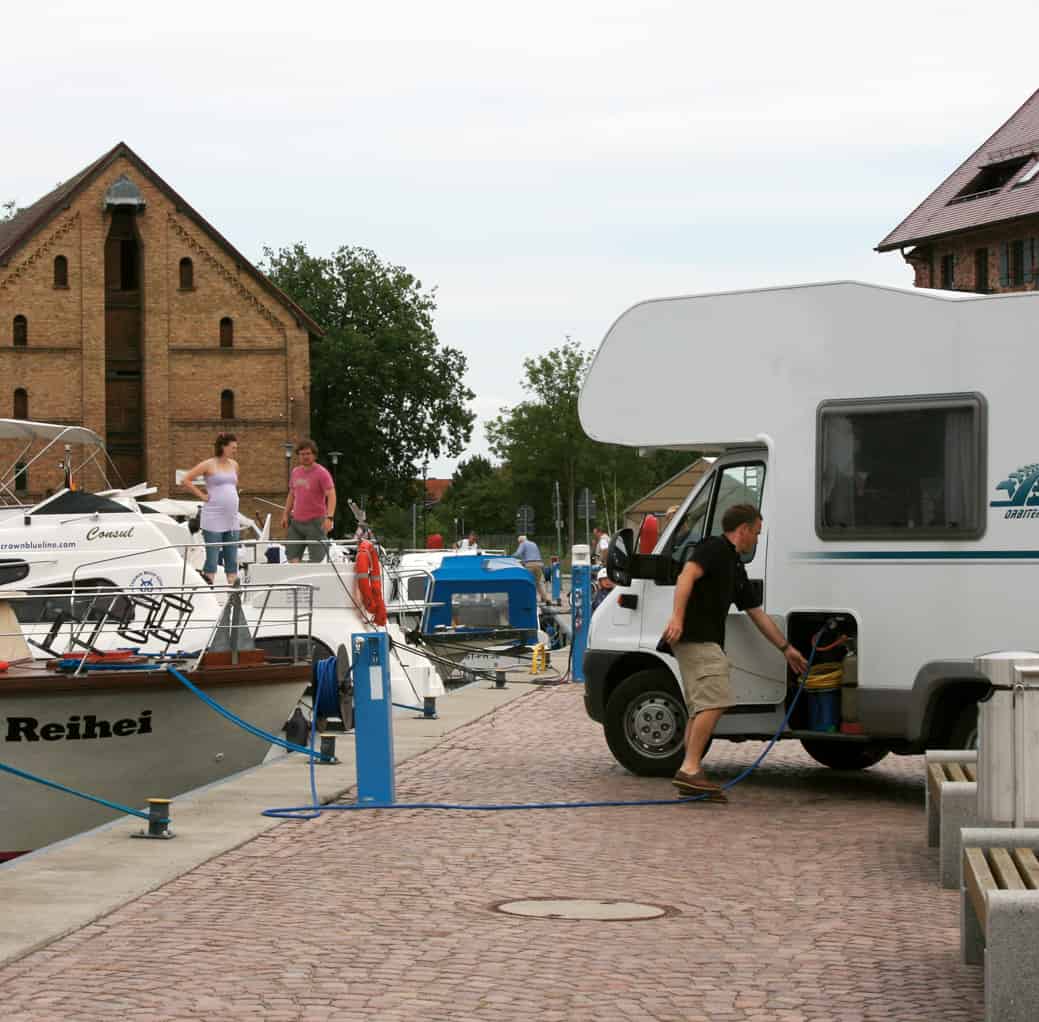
(545, 165)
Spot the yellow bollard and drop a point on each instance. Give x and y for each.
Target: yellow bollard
(538, 659)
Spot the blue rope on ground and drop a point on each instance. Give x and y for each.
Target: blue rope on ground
(25, 775)
(405, 706)
(244, 724)
(314, 810)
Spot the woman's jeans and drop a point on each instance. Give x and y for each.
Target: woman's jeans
(226, 551)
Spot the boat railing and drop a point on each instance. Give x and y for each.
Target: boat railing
(157, 620)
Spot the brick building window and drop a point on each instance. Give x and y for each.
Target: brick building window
(948, 273)
(1015, 263)
(226, 332)
(61, 271)
(187, 274)
(21, 403)
(981, 270)
(21, 331)
(21, 477)
(227, 404)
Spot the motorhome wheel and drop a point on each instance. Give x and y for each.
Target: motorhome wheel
(840, 755)
(645, 724)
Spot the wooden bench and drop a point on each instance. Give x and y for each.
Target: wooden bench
(999, 918)
(952, 804)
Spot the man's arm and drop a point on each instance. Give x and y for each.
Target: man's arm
(683, 590)
(288, 510)
(768, 628)
(330, 507)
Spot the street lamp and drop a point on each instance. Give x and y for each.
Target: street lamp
(335, 456)
(288, 447)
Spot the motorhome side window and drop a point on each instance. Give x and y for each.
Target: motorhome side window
(901, 468)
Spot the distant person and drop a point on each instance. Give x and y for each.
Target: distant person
(219, 506)
(471, 543)
(603, 588)
(310, 506)
(528, 554)
(601, 546)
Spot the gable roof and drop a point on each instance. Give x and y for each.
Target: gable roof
(945, 211)
(17, 231)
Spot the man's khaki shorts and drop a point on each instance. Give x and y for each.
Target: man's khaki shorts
(705, 676)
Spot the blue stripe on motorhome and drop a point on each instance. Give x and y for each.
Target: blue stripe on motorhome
(919, 555)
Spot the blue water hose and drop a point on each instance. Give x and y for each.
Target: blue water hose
(314, 810)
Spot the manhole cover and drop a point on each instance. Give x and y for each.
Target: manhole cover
(582, 908)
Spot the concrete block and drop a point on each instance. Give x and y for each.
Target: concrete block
(958, 809)
(1012, 957)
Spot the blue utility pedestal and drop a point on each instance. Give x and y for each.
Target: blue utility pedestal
(373, 719)
(556, 571)
(581, 611)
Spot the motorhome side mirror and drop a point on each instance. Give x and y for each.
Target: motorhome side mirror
(618, 557)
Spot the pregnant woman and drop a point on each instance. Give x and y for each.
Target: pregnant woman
(220, 506)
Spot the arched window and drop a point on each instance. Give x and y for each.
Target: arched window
(21, 331)
(21, 403)
(61, 271)
(227, 404)
(187, 274)
(21, 477)
(226, 332)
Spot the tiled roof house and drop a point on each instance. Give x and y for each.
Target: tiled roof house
(979, 229)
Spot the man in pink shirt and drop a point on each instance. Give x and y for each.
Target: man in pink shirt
(310, 506)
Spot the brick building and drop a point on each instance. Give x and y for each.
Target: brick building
(979, 229)
(123, 310)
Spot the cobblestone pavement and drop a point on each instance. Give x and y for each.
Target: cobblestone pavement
(811, 897)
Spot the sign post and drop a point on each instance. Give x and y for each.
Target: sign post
(373, 719)
(581, 614)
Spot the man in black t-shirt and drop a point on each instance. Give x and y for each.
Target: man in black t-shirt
(712, 578)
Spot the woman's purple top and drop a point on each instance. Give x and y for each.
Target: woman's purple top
(220, 512)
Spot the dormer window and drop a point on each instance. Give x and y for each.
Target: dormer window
(1028, 175)
(990, 179)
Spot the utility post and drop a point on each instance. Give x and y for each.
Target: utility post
(334, 457)
(425, 500)
(557, 513)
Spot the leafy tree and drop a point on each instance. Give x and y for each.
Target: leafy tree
(383, 389)
(480, 496)
(541, 441)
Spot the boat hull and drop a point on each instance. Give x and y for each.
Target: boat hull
(127, 737)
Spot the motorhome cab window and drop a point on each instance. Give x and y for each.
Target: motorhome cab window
(901, 468)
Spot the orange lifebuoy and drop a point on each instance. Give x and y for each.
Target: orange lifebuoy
(369, 581)
(649, 534)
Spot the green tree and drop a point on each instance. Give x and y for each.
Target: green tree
(383, 389)
(541, 441)
(480, 496)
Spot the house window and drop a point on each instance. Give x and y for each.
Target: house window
(989, 179)
(981, 270)
(21, 403)
(61, 271)
(226, 332)
(872, 484)
(21, 331)
(948, 272)
(187, 274)
(21, 477)
(227, 404)
(1017, 263)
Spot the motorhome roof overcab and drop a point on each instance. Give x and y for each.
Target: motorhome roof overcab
(886, 437)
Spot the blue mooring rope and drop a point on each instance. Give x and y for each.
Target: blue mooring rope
(243, 724)
(315, 810)
(25, 775)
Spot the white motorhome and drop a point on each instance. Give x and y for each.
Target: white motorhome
(886, 437)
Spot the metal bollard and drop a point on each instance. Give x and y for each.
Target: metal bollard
(158, 820)
(328, 749)
(499, 679)
(429, 708)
